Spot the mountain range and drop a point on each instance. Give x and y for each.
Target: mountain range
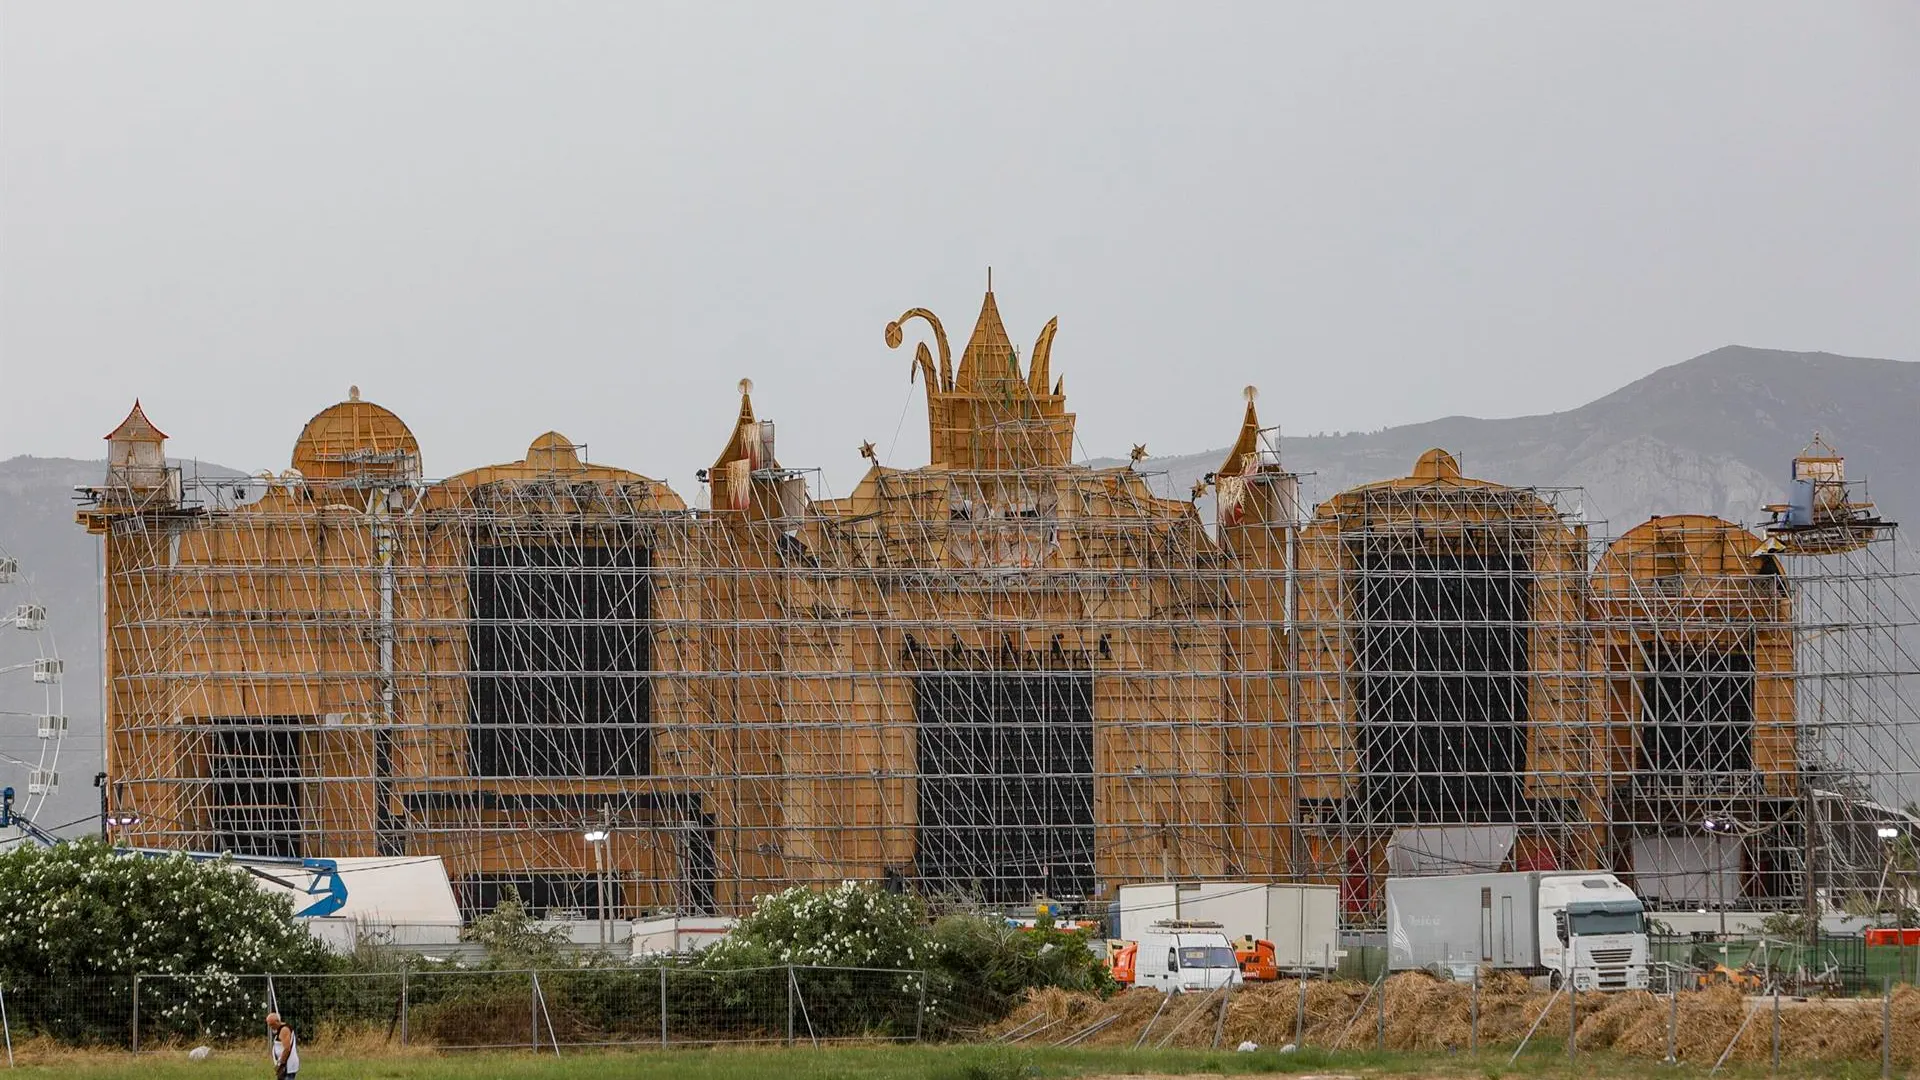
(1713, 434)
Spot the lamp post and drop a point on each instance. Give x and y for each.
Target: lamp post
(1719, 829)
(598, 838)
(1887, 835)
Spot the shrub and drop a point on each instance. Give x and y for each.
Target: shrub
(989, 966)
(851, 925)
(967, 970)
(513, 939)
(81, 912)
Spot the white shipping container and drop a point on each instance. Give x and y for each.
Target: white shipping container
(1302, 921)
(679, 934)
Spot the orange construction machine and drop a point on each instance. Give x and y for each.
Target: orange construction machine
(1120, 960)
(1256, 959)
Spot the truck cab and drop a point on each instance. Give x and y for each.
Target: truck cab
(1593, 932)
(1185, 956)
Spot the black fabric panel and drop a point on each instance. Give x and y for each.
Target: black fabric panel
(1442, 695)
(1006, 784)
(559, 646)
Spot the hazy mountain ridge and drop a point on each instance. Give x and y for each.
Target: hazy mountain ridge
(1712, 434)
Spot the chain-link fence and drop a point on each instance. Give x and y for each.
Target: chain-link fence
(73, 1010)
(550, 1010)
(472, 1010)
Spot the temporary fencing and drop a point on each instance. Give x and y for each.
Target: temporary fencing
(544, 1010)
(1500, 1015)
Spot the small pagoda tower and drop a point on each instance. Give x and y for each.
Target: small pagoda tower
(137, 473)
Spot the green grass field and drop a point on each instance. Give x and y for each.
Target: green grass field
(910, 1062)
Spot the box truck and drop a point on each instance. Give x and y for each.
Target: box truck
(1301, 921)
(1183, 955)
(1582, 925)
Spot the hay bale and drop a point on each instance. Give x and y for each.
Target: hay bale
(1424, 1013)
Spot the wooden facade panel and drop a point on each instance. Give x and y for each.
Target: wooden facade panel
(766, 653)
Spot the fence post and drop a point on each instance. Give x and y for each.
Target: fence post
(540, 1000)
(1673, 1021)
(1380, 1025)
(533, 1009)
(790, 989)
(1220, 1025)
(1573, 1015)
(920, 1017)
(663, 1006)
(1886, 1030)
(136, 1014)
(1300, 1013)
(5, 1026)
(1473, 1013)
(403, 1004)
(1776, 1031)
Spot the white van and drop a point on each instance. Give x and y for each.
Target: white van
(1177, 956)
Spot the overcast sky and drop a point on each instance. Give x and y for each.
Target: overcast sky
(503, 218)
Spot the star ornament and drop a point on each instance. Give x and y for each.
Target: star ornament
(867, 451)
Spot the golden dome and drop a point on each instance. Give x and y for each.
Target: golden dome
(356, 439)
(553, 452)
(1436, 464)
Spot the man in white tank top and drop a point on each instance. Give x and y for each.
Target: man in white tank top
(285, 1048)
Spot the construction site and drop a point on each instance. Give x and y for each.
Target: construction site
(1000, 676)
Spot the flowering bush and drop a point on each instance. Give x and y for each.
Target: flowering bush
(962, 971)
(851, 925)
(79, 911)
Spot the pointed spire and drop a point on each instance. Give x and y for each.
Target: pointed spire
(988, 357)
(136, 427)
(1249, 441)
(746, 401)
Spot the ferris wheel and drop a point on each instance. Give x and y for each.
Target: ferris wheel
(31, 691)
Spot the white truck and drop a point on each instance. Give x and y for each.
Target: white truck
(1182, 956)
(1579, 925)
(1302, 921)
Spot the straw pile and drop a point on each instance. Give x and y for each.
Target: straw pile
(1423, 1013)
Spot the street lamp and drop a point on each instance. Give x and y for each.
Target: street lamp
(598, 838)
(1887, 834)
(1719, 828)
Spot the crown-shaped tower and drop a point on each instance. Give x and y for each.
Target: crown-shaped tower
(988, 415)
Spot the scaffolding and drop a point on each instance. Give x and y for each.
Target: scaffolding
(997, 677)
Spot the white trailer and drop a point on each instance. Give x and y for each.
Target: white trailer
(1302, 921)
(404, 901)
(679, 934)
